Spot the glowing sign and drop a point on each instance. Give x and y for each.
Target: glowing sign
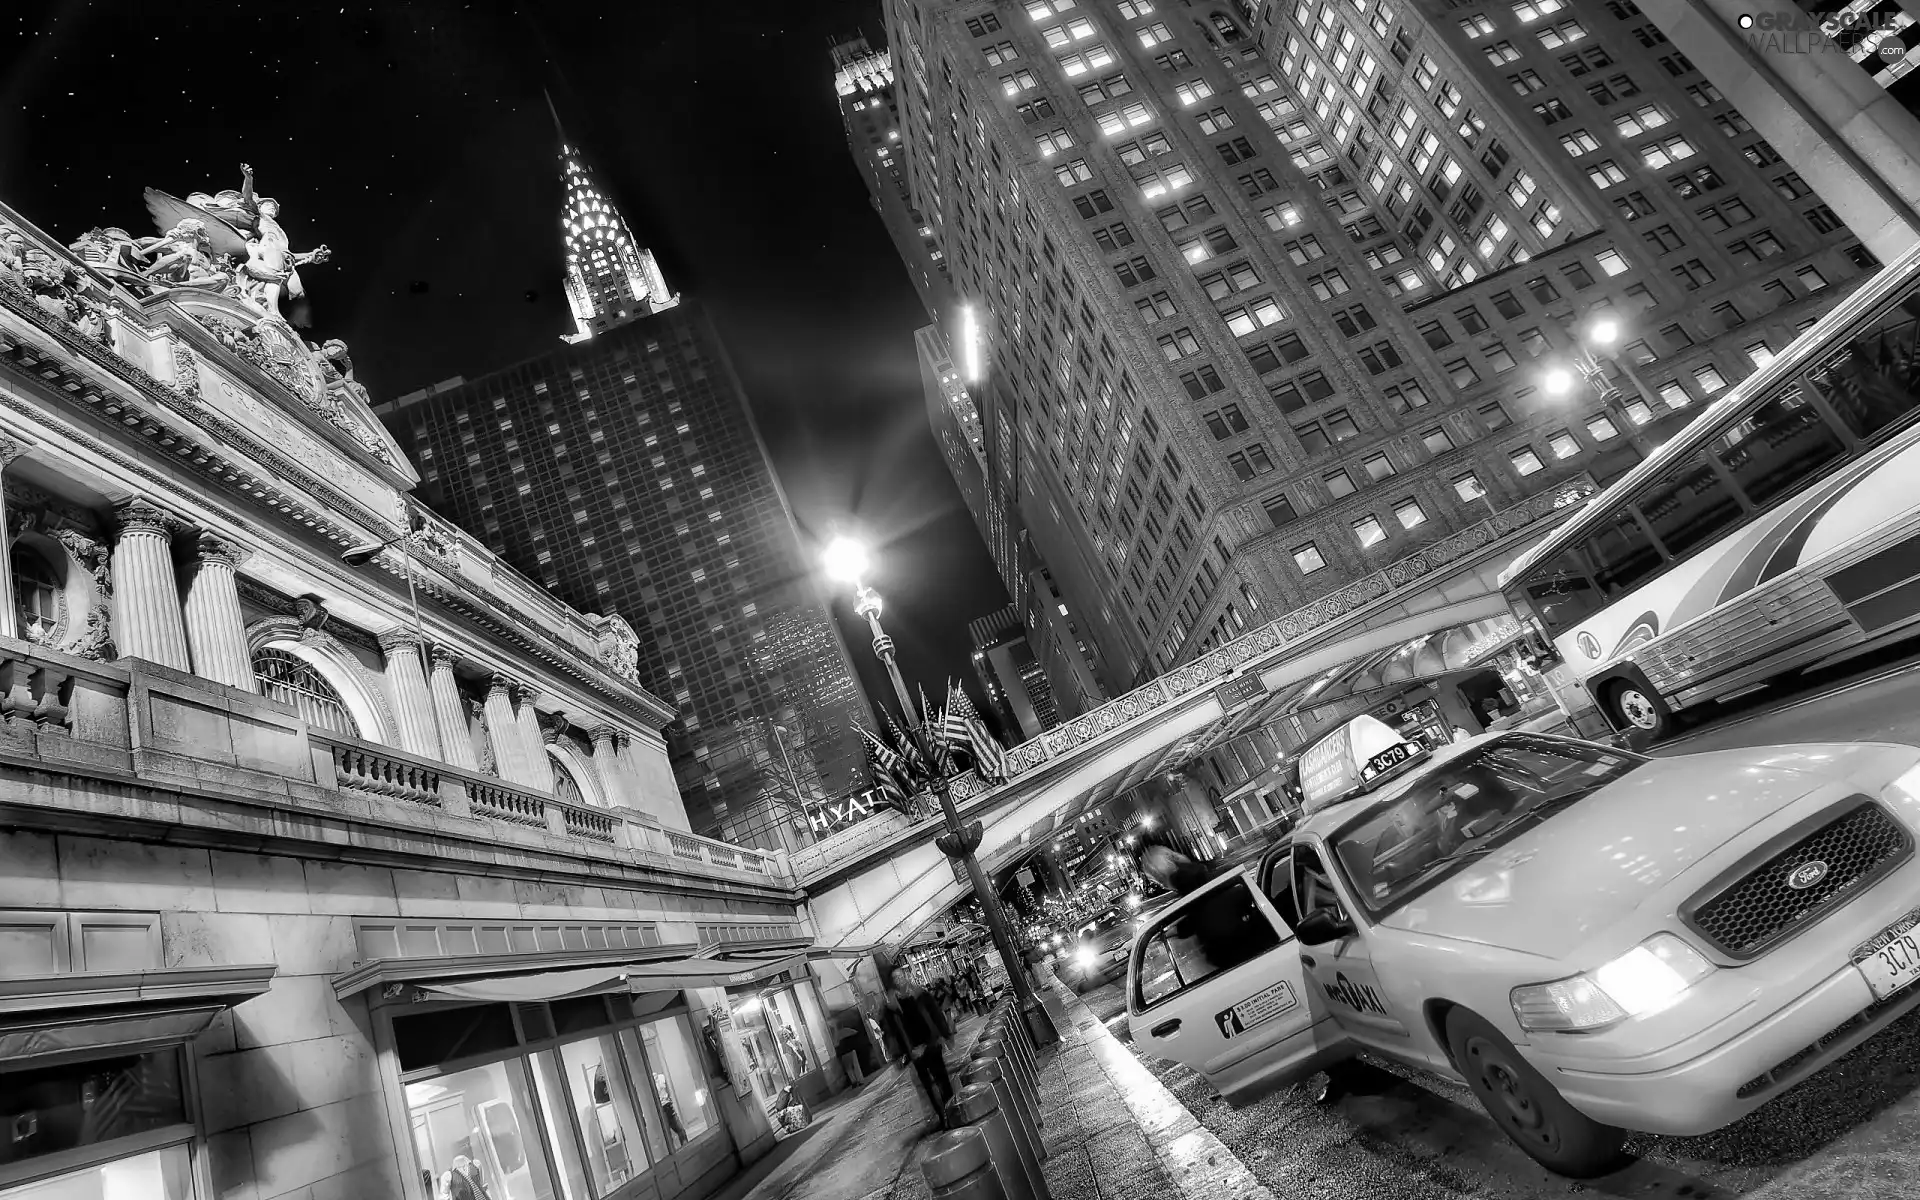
(970, 343)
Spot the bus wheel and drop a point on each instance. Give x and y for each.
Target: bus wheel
(1640, 709)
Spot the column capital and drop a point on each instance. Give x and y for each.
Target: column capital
(525, 694)
(553, 726)
(11, 448)
(398, 639)
(139, 516)
(501, 685)
(213, 548)
(603, 733)
(443, 657)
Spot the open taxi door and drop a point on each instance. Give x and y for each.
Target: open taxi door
(1232, 1002)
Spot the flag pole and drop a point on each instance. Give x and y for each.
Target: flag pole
(960, 841)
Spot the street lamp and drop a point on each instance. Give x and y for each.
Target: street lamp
(846, 560)
(1591, 355)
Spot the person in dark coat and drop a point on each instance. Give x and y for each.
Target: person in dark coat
(920, 1026)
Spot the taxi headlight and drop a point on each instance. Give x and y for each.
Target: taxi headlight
(1646, 979)
(1908, 784)
(1086, 957)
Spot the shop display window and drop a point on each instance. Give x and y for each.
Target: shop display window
(162, 1174)
(679, 1079)
(477, 1132)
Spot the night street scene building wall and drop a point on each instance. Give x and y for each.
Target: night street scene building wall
(625, 472)
(301, 782)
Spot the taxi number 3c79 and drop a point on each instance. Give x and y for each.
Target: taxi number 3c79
(1891, 961)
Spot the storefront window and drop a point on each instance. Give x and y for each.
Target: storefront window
(787, 1024)
(603, 1104)
(156, 1175)
(752, 1027)
(477, 1134)
(649, 1093)
(552, 1091)
(679, 1079)
(79, 1105)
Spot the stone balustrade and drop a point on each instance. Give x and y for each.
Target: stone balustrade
(175, 730)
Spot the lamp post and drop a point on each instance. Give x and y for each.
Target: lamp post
(846, 560)
(1592, 368)
(361, 555)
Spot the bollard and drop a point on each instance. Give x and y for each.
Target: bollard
(1008, 1034)
(1014, 1105)
(1022, 1038)
(978, 1106)
(958, 1166)
(995, 1051)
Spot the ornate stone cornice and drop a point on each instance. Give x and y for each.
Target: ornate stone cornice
(10, 449)
(139, 516)
(213, 548)
(401, 638)
(553, 727)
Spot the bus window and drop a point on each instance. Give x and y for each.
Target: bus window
(1561, 594)
(1872, 383)
(1780, 446)
(1622, 554)
(1689, 506)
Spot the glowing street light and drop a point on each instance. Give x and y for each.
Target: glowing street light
(1590, 359)
(846, 559)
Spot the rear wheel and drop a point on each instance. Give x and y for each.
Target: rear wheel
(1526, 1106)
(1637, 708)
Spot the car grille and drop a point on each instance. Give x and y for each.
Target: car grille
(1757, 908)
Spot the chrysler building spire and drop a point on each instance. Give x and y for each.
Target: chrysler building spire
(611, 278)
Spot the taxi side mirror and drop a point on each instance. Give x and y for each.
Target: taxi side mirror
(1323, 925)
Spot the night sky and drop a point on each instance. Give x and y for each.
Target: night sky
(412, 138)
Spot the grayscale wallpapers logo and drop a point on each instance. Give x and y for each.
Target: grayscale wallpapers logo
(1797, 32)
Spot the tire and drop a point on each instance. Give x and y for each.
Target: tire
(1639, 710)
(1526, 1107)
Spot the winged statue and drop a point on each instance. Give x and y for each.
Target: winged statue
(238, 225)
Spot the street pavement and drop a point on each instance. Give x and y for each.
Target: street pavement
(1852, 1131)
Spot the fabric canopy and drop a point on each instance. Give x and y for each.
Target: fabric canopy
(543, 985)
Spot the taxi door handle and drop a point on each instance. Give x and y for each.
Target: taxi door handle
(1307, 960)
(1166, 1028)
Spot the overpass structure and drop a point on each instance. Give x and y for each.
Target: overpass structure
(883, 880)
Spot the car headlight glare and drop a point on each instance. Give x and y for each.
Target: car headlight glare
(1648, 978)
(1087, 959)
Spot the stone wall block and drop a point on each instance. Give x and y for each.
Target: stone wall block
(348, 890)
(29, 870)
(98, 874)
(258, 883)
(378, 1180)
(194, 939)
(248, 1086)
(427, 894)
(296, 1008)
(230, 1165)
(487, 898)
(308, 945)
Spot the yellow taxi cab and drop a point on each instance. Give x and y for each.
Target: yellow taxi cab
(1594, 941)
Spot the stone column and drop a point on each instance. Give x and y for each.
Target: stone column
(615, 780)
(533, 744)
(407, 692)
(216, 632)
(146, 593)
(456, 746)
(503, 730)
(9, 612)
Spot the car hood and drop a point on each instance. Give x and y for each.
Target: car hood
(1590, 865)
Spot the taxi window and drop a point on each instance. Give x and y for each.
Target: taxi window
(1276, 880)
(1313, 888)
(1217, 932)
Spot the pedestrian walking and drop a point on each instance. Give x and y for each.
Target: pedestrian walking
(922, 1030)
(1219, 924)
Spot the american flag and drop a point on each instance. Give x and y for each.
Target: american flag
(882, 762)
(989, 758)
(913, 769)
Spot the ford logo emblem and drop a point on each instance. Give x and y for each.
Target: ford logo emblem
(1806, 875)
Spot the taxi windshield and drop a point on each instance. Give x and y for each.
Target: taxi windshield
(1466, 807)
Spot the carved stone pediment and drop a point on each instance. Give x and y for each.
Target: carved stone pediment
(616, 645)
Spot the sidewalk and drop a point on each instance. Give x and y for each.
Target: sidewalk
(1113, 1132)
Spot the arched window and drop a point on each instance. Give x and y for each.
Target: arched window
(36, 589)
(565, 787)
(293, 681)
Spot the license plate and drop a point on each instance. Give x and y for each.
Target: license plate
(1890, 961)
(1392, 756)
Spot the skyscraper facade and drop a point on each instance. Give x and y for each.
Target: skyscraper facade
(625, 473)
(1254, 299)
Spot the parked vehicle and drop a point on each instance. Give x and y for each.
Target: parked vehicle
(1592, 940)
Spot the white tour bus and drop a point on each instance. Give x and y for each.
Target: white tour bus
(1779, 529)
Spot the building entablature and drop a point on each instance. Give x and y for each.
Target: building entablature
(194, 484)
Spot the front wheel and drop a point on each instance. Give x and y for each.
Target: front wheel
(1527, 1107)
(1639, 709)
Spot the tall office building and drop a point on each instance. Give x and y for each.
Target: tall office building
(624, 472)
(1256, 298)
